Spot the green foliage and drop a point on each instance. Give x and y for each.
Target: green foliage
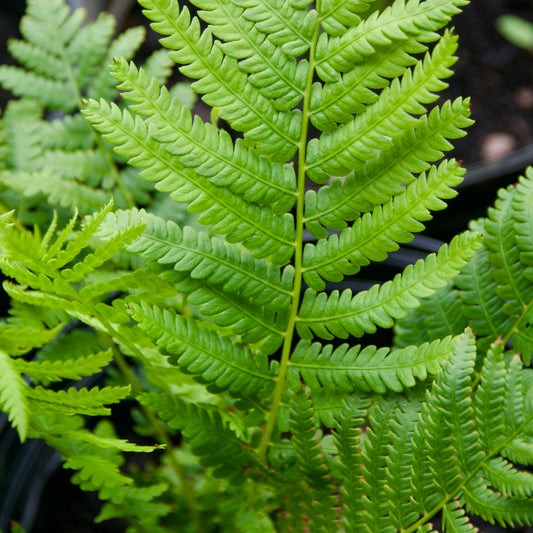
(201, 303)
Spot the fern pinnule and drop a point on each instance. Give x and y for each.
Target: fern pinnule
(13, 395)
(227, 453)
(351, 369)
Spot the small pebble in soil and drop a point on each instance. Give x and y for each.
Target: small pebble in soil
(497, 145)
(523, 97)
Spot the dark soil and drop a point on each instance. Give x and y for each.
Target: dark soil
(499, 79)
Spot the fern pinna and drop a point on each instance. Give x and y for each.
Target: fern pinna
(228, 330)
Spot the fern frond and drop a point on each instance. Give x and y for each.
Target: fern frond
(213, 358)
(508, 480)
(387, 174)
(347, 437)
(95, 472)
(17, 340)
(13, 391)
(21, 123)
(256, 226)
(58, 70)
(376, 234)
(524, 218)
(322, 515)
(208, 435)
(370, 510)
(88, 48)
(490, 399)
(49, 371)
(69, 133)
(58, 191)
(355, 142)
(346, 314)
(481, 303)
(201, 146)
(222, 82)
(450, 410)
(106, 442)
(125, 46)
(494, 507)
(203, 257)
(504, 255)
(402, 507)
(263, 326)
(368, 369)
(73, 401)
(395, 24)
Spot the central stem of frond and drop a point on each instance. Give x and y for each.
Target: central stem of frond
(298, 256)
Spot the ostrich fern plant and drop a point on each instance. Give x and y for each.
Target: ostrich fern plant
(226, 326)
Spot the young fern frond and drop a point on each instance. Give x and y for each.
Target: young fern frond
(323, 119)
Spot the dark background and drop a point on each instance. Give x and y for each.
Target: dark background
(499, 79)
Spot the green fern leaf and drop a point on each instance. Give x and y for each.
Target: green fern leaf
(204, 257)
(293, 30)
(221, 80)
(339, 16)
(256, 226)
(524, 219)
(493, 507)
(48, 371)
(58, 191)
(368, 369)
(454, 519)
(70, 133)
(13, 392)
(490, 399)
(276, 74)
(395, 24)
(482, 305)
(201, 146)
(73, 401)
(376, 234)
(452, 393)
(95, 471)
(385, 176)
(354, 142)
(356, 315)
(347, 441)
(507, 479)
(204, 353)
(125, 45)
(322, 515)
(206, 432)
(504, 255)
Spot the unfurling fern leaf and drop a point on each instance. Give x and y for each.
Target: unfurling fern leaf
(323, 154)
